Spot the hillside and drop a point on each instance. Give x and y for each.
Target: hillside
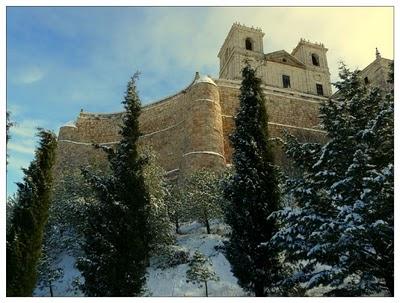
(171, 281)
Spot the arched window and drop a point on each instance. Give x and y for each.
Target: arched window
(249, 44)
(315, 59)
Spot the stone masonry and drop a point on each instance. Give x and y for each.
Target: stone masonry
(190, 130)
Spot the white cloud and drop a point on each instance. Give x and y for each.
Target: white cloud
(29, 75)
(15, 162)
(178, 38)
(26, 128)
(24, 147)
(23, 139)
(14, 109)
(343, 30)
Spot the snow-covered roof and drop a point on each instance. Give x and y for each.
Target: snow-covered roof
(204, 79)
(69, 124)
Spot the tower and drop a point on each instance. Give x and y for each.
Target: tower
(203, 146)
(242, 43)
(313, 56)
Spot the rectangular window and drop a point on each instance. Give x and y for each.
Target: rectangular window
(320, 91)
(286, 81)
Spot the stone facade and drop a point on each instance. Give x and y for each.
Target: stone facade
(190, 130)
(305, 68)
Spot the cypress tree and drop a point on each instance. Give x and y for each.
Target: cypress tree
(253, 193)
(25, 233)
(116, 242)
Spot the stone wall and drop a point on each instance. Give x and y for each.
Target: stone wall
(191, 129)
(377, 73)
(161, 124)
(296, 113)
(204, 136)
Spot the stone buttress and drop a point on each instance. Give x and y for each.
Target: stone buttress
(204, 143)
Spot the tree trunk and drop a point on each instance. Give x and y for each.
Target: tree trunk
(205, 219)
(390, 284)
(208, 227)
(51, 290)
(259, 289)
(205, 282)
(177, 226)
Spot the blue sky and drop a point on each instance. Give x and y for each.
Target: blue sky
(60, 60)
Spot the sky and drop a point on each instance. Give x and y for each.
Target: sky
(64, 59)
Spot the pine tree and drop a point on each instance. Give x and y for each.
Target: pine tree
(200, 270)
(25, 234)
(340, 227)
(252, 193)
(203, 195)
(117, 234)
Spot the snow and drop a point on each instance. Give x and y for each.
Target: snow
(203, 152)
(64, 286)
(70, 124)
(204, 79)
(172, 281)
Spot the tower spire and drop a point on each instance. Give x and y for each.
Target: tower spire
(377, 53)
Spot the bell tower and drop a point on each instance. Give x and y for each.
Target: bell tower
(242, 43)
(318, 77)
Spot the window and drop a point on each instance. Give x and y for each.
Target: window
(320, 90)
(315, 59)
(286, 81)
(249, 44)
(284, 60)
(366, 81)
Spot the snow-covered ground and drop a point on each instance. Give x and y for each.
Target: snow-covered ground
(63, 287)
(171, 281)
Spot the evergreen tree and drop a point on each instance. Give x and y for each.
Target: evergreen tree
(203, 196)
(12, 201)
(252, 193)
(48, 271)
(72, 196)
(9, 124)
(160, 227)
(176, 207)
(25, 233)
(340, 226)
(200, 270)
(117, 234)
(64, 235)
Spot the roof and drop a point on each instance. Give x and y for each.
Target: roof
(204, 79)
(69, 124)
(284, 57)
